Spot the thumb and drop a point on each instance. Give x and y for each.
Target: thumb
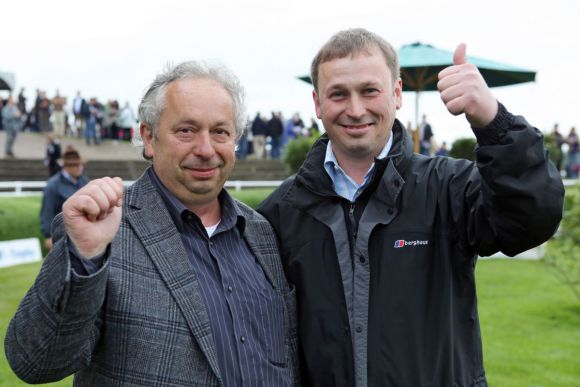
(459, 54)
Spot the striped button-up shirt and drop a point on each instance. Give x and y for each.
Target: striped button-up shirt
(245, 312)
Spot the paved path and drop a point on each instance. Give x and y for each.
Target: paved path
(33, 146)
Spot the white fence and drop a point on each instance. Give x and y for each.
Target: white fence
(26, 188)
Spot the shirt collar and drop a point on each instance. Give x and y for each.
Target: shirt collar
(68, 177)
(344, 185)
(230, 213)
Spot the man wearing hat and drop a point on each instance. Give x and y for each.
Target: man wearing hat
(59, 188)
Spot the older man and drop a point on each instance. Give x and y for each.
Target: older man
(381, 243)
(173, 283)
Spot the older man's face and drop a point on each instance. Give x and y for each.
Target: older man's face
(193, 148)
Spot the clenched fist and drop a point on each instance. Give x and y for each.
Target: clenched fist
(463, 90)
(93, 214)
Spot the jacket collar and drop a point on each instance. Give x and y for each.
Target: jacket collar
(313, 176)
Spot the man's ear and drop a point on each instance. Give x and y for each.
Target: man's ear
(398, 91)
(316, 103)
(148, 139)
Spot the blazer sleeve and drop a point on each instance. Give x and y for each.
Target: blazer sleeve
(58, 322)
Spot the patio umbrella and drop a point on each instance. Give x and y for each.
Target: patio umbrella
(6, 81)
(420, 63)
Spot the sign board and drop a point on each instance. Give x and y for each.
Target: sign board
(18, 251)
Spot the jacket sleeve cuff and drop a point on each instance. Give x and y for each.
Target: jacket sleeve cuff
(492, 133)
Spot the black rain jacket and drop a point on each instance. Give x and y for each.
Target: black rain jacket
(425, 220)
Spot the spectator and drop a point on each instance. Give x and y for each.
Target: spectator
(573, 168)
(58, 115)
(92, 121)
(22, 107)
(81, 114)
(58, 189)
(43, 112)
(275, 130)
(313, 130)
(442, 151)
(259, 132)
(11, 122)
(126, 122)
(53, 155)
(425, 136)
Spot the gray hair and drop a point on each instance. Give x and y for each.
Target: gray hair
(351, 42)
(153, 101)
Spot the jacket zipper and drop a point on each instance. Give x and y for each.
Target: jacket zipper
(352, 220)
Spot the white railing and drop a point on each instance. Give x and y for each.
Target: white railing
(27, 188)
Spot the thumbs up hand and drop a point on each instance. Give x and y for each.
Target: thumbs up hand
(463, 90)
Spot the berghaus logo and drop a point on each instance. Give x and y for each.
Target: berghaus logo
(402, 243)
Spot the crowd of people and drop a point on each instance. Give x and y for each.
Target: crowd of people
(89, 119)
(267, 137)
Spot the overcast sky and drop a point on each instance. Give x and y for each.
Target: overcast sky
(113, 49)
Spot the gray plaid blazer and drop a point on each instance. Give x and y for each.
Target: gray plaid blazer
(139, 321)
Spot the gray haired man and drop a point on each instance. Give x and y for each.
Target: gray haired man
(173, 282)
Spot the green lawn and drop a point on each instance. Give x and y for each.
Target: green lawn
(530, 322)
(530, 325)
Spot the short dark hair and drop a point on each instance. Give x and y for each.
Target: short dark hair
(72, 157)
(351, 42)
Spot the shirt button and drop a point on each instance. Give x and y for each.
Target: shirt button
(397, 183)
(243, 339)
(362, 259)
(359, 329)
(230, 289)
(390, 211)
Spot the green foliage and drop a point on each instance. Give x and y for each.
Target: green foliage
(296, 151)
(563, 252)
(463, 148)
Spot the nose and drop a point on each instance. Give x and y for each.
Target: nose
(203, 146)
(355, 108)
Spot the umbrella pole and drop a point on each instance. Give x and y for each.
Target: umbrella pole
(417, 110)
(415, 130)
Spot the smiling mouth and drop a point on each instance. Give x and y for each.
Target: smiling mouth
(202, 173)
(356, 127)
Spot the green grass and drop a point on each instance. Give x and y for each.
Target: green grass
(530, 325)
(19, 217)
(530, 322)
(14, 282)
